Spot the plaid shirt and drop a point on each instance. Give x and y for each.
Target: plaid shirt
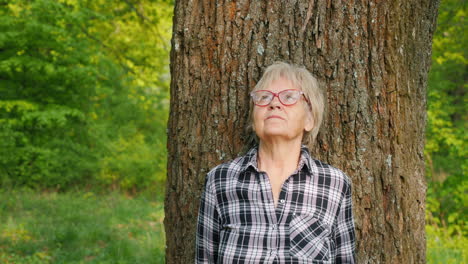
(312, 223)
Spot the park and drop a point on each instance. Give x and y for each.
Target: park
(113, 112)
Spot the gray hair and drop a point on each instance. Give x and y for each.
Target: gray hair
(301, 79)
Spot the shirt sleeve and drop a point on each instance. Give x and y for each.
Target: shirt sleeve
(207, 239)
(345, 237)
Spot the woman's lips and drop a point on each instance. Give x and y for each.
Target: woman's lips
(275, 116)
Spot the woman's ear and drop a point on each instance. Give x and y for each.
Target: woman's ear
(309, 125)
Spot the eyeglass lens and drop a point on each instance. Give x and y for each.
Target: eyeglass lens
(286, 97)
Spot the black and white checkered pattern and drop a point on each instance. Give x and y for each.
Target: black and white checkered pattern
(312, 223)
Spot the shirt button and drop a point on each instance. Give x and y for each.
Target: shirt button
(282, 201)
(273, 227)
(272, 252)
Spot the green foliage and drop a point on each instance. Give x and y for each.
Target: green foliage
(46, 75)
(447, 113)
(130, 164)
(136, 36)
(48, 228)
(446, 147)
(84, 93)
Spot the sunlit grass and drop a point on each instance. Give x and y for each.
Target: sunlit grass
(445, 247)
(80, 228)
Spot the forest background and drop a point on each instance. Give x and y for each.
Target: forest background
(84, 102)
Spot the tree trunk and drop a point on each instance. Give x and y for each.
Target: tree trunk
(371, 58)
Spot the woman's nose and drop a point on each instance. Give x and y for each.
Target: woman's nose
(275, 103)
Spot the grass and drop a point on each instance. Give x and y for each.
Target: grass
(444, 247)
(79, 227)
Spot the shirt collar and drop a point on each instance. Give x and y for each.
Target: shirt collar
(250, 160)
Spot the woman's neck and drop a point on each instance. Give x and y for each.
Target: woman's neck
(281, 157)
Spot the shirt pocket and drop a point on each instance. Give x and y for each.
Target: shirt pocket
(228, 237)
(309, 238)
(229, 234)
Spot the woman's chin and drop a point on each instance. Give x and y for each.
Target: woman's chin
(276, 131)
(272, 133)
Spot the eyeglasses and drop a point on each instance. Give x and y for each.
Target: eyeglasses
(286, 97)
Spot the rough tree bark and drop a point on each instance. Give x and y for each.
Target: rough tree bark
(371, 58)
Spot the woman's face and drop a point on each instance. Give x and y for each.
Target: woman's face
(277, 121)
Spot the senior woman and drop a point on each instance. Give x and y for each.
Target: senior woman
(277, 204)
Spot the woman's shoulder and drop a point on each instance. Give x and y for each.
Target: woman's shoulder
(327, 170)
(231, 165)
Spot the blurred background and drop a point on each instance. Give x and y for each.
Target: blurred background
(84, 102)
